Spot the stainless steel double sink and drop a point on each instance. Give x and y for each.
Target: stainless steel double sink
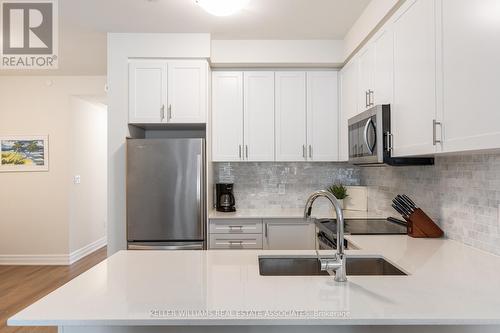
(309, 265)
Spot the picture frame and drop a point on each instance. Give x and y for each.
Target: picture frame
(24, 153)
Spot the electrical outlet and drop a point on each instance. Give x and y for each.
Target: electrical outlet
(77, 179)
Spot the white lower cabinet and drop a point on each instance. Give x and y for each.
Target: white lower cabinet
(289, 234)
(267, 234)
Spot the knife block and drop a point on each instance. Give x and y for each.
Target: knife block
(422, 226)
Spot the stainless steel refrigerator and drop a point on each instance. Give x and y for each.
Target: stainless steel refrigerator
(166, 194)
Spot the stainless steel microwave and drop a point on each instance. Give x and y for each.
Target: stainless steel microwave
(371, 141)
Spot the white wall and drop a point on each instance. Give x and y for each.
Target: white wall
(255, 53)
(373, 14)
(34, 206)
(88, 199)
(121, 47)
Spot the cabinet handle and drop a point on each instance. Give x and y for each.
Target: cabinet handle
(265, 230)
(162, 112)
(235, 227)
(389, 138)
(239, 151)
(310, 151)
(169, 112)
(246, 151)
(370, 98)
(366, 99)
(435, 123)
(304, 151)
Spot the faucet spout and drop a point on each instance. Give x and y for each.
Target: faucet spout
(339, 263)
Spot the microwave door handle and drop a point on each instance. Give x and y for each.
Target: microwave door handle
(365, 136)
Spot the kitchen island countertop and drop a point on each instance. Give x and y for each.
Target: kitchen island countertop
(448, 283)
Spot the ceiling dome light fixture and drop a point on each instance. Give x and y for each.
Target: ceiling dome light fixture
(222, 7)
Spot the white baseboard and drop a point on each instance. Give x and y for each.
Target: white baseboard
(86, 250)
(52, 259)
(33, 259)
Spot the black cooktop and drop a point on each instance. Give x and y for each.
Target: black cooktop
(363, 227)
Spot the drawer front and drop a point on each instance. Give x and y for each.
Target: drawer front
(243, 226)
(236, 242)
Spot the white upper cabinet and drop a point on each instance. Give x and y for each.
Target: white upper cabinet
(366, 68)
(187, 91)
(322, 116)
(227, 116)
(258, 114)
(348, 105)
(275, 116)
(290, 116)
(414, 107)
(147, 91)
(471, 74)
(173, 91)
(383, 69)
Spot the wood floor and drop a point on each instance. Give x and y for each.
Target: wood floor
(22, 285)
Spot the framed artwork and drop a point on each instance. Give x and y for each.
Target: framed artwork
(24, 153)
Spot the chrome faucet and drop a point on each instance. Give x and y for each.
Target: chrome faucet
(338, 263)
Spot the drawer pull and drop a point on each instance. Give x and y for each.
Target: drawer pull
(238, 243)
(239, 227)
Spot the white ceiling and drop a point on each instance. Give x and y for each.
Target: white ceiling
(84, 24)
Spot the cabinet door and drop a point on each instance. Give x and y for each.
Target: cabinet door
(471, 81)
(187, 91)
(348, 105)
(147, 91)
(258, 114)
(414, 107)
(366, 62)
(383, 69)
(322, 116)
(289, 235)
(290, 116)
(227, 116)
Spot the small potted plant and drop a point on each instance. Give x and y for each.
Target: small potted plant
(340, 192)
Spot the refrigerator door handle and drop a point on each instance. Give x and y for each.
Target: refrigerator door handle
(199, 177)
(199, 192)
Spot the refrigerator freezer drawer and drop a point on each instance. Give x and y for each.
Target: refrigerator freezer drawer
(165, 246)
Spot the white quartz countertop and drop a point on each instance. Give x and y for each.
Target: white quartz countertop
(289, 213)
(447, 283)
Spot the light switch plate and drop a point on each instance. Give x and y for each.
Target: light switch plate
(77, 179)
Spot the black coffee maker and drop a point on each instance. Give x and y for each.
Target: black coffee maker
(225, 197)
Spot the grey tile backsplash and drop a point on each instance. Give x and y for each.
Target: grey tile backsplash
(461, 193)
(281, 185)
